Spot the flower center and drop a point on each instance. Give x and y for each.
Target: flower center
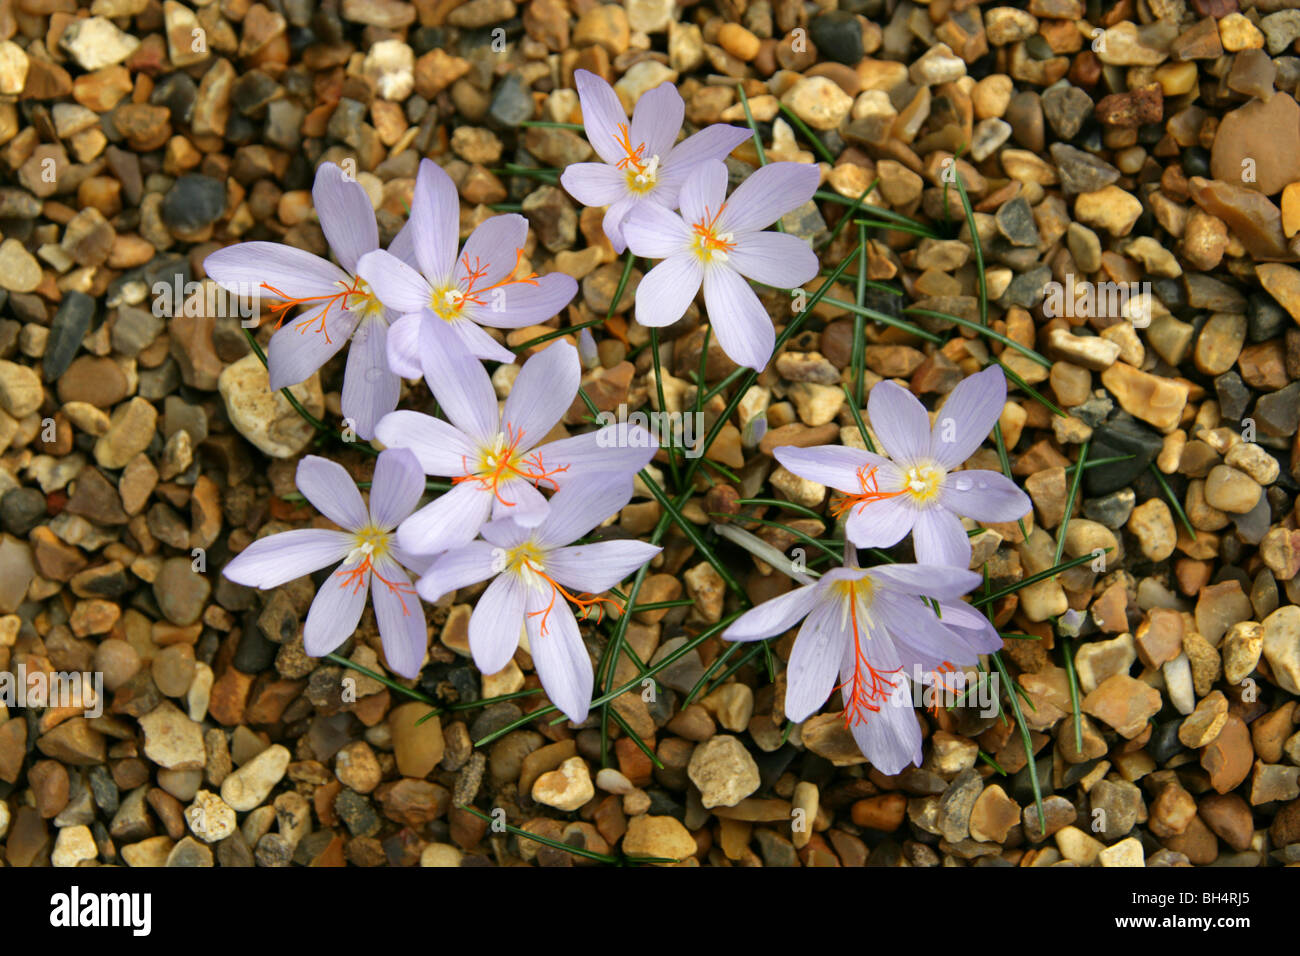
(502, 462)
(528, 561)
(449, 301)
(356, 288)
(370, 545)
(709, 244)
(924, 482)
(642, 173)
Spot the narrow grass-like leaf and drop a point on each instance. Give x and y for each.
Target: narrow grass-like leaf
(818, 146)
(1025, 739)
(1067, 651)
(1069, 500)
(984, 331)
(1173, 500)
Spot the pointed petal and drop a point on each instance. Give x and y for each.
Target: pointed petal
(740, 322)
(459, 383)
(668, 290)
(346, 216)
(775, 259)
(496, 623)
(491, 248)
(300, 347)
(542, 393)
(559, 656)
(519, 501)
(984, 496)
(278, 558)
(774, 616)
(704, 192)
(580, 506)
(394, 283)
(435, 221)
(939, 538)
(655, 232)
(713, 142)
(243, 267)
(525, 303)
(936, 581)
(396, 487)
(968, 416)
(616, 218)
(449, 521)
(400, 618)
(601, 115)
(836, 466)
(767, 195)
(440, 448)
(900, 421)
(818, 650)
(459, 568)
(370, 389)
(657, 119)
(880, 524)
(890, 739)
(594, 184)
(331, 491)
(620, 448)
(478, 343)
(403, 245)
(335, 612)
(595, 568)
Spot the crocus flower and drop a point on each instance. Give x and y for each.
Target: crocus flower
(641, 163)
(918, 491)
(536, 575)
(873, 627)
(496, 460)
(371, 559)
(719, 242)
(478, 288)
(340, 304)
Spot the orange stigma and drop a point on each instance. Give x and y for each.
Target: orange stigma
(870, 492)
(868, 687)
(356, 578)
(580, 603)
(281, 309)
(500, 464)
(476, 272)
(633, 159)
(706, 234)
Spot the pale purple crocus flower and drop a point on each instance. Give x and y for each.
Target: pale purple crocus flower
(340, 304)
(874, 628)
(536, 574)
(719, 242)
(641, 163)
(918, 491)
(371, 560)
(475, 289)
(498, 460)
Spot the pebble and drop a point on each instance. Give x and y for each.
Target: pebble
(74, 846)
(172, 740)
(250, 785)
(566, 788)
(724, 771)
(1281, 646)
(1124, 703)
(264, 417)
(658, 836)
(818, 101)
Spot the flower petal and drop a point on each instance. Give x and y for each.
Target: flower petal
(880, 524)
(458, 568)
(775, 259)
(597, 567)
(300, 346)
(657, 119)
(332, 492)
(346, 216)
(655, 232)
(937, 581)
(984, 496)
(619, 448)
(891, 738)
(479, 344)
(393, 282)
(400, 618)
(668, 289)
(519, 501)
(519, 304)
(435, 221)
(243, 267)
(335, 612)
(278, 558)
(497, 622)
(440, 448)
(559, 656)
(713, 142)
(900, 421)
(542, 392)
(449, 521)
(967, 416)
(594, 184)
(836, 466)
(775, 615)
(602, 113)
(580, 506)
(740, 322)
(767, 195)
(939, 538)
(370, 389)
(459, 383)
(818, 650)
(704, 193)
(403, 245)
(404, 346)
(490, 250)
(395, 488)
(616, 218)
